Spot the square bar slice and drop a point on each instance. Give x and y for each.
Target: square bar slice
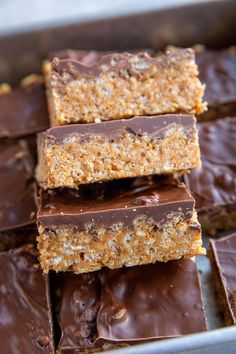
(213, 186)
(86, 153)
(17, 189)
(217, 70)
(115, 308)
(127, 225)
(26, 323)
(23, 110)
(123, 85)
(222, 254)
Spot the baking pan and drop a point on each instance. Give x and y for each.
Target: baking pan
(211, 23)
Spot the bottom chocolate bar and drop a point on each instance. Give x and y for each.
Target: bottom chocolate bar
(146, 221)
(222, 254)
(112, 308)
(25, 319)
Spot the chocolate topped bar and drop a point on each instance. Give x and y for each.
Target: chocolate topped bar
(70, 207)
(23, 111)
(135, 222)
(17, 190)
(25, 322)
(123, 85)
(223, 259)
(86, 153)
(213, 186)
(129, 305)
(217, 70)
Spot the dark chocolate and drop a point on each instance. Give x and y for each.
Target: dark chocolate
(214, 185)
(124, 63)
(217, 71)
(153, 126)
(23, 111)
(17, 190)
(225, 256)
(25, 321)
(115, 203)
(130, 305)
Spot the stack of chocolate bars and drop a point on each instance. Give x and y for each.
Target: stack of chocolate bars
(115, 219)
(122, 125)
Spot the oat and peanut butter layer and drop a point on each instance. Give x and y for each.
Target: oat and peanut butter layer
(217, 70)
(213, 186)
(123, 223)
(86, 153)
(114, 308)
(222, 254)
(17, 190)
(23, 110)
(122, 85)
(26, 322)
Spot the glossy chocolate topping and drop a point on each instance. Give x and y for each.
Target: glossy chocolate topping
(17, 203)
(132, 304)
(89, 56)
(134, 64)
(217, 71)
(225, 255)
(115, 203)
(25, 322)
(215, 183)
(153, 126)
(23, 111)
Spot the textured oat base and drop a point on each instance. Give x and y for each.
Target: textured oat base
(217, 219)
(218, 111)
(78, 161)
(68, 249)
(169, 86)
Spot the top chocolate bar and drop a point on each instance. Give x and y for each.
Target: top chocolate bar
(122, 85)
(23, 110)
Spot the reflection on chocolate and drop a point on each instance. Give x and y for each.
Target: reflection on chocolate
(115, 202)
(153, 126)
(215, 183)
(25, 322)
(23, 111)
(17, 202)
(130, 304)
(217, 71)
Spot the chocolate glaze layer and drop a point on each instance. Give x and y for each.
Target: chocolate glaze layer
(225, 255)
(25, 322)
(214, 184)
(132, 304)
(17, 203)
(89, 56)
(153, 126)
(217, 71)
(135, 64)
(23, 111)
(115, 203)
